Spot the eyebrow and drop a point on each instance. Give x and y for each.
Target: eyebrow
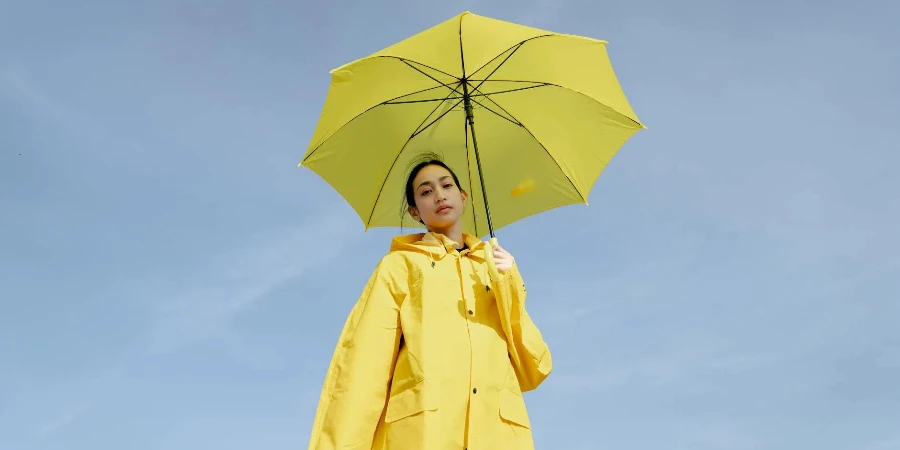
(428, 182)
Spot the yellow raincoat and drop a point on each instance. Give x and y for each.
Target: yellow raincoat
(434, 356)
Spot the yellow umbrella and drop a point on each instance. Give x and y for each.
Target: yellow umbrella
(549, 109)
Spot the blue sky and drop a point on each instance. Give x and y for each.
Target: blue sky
(169, 279)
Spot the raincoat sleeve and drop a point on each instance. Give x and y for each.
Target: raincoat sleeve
(528, 352)
(358, 378)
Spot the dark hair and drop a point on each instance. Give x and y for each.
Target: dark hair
(428, 160)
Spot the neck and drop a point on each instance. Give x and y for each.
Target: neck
(454, 233)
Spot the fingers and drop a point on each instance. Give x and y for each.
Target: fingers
(501, 253)
(502, 259)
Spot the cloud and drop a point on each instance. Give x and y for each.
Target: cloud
(64, 419)
(719, 434)
(238, 280)
(637, 284)
(681, 363)
(16, 84)
(892, 443)
(74, 398)
(220, 288)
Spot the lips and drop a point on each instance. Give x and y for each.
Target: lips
(444, 208)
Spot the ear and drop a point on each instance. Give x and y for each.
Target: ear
(414, 213)
(465, 196)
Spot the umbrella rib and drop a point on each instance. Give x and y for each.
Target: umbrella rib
(396, 158)
(432, 112)
(512, 121)
(397, 101)
(386, 102)
(544, 83)
(426, 66)
(439, 82)
(456, 90)
(412, 61)
(482, 94)
(462, 56)
(542, 146)
(517, 47)
(420, 131)
(428, 100)
(508, 81)
(518, 44)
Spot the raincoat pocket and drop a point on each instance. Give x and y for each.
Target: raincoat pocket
(512, 408)
(409, 402)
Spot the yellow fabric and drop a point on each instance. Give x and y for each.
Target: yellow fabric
(549, 114)
(427, 362)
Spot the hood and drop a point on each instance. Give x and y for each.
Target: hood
(434, 244)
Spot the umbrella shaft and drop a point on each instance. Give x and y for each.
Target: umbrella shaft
(470, 118)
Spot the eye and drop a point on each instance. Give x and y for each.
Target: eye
(426, 192)
(448, 185)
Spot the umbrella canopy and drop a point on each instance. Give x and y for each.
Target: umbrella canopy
(527, 118)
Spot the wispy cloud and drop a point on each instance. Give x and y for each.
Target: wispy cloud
(891, 443)
(238, 280)
(676, 364)
(220, 288)
(37, 102)
(72, 400)
(13, 83)
(724, 434)
(17, 85)
(566, 304)
(64, 419)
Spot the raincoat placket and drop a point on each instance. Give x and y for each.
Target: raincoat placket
(471, 311)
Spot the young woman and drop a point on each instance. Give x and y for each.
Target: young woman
(435, 355)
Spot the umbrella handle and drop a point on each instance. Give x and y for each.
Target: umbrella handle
(489, 258)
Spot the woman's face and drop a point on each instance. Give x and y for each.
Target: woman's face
(439, 201)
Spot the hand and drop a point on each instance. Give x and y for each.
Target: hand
(502, 259)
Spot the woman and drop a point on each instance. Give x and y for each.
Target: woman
(435, 355)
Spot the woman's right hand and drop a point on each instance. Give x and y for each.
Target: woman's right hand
(503, 260)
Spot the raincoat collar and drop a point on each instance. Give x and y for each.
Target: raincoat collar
(435, 244)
